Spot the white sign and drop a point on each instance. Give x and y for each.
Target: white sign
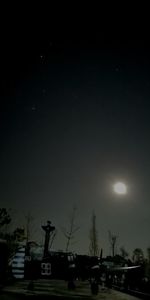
(46, 269)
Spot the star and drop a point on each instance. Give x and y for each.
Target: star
(44, 91)
(33, 108)
(117, 69)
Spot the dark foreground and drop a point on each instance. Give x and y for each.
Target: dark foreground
(54, 289)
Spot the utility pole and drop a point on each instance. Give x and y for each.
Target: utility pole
(48, 230)
(93, 248)
(29, 219)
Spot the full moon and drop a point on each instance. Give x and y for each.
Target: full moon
(120, 188)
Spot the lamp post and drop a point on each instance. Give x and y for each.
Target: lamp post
(48, 229)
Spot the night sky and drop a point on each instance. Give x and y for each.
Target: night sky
(75, 118)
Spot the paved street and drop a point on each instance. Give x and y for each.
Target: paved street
(52, 289)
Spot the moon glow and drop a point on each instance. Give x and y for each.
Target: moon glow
(120, 188)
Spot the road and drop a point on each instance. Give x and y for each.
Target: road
(52, 289)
